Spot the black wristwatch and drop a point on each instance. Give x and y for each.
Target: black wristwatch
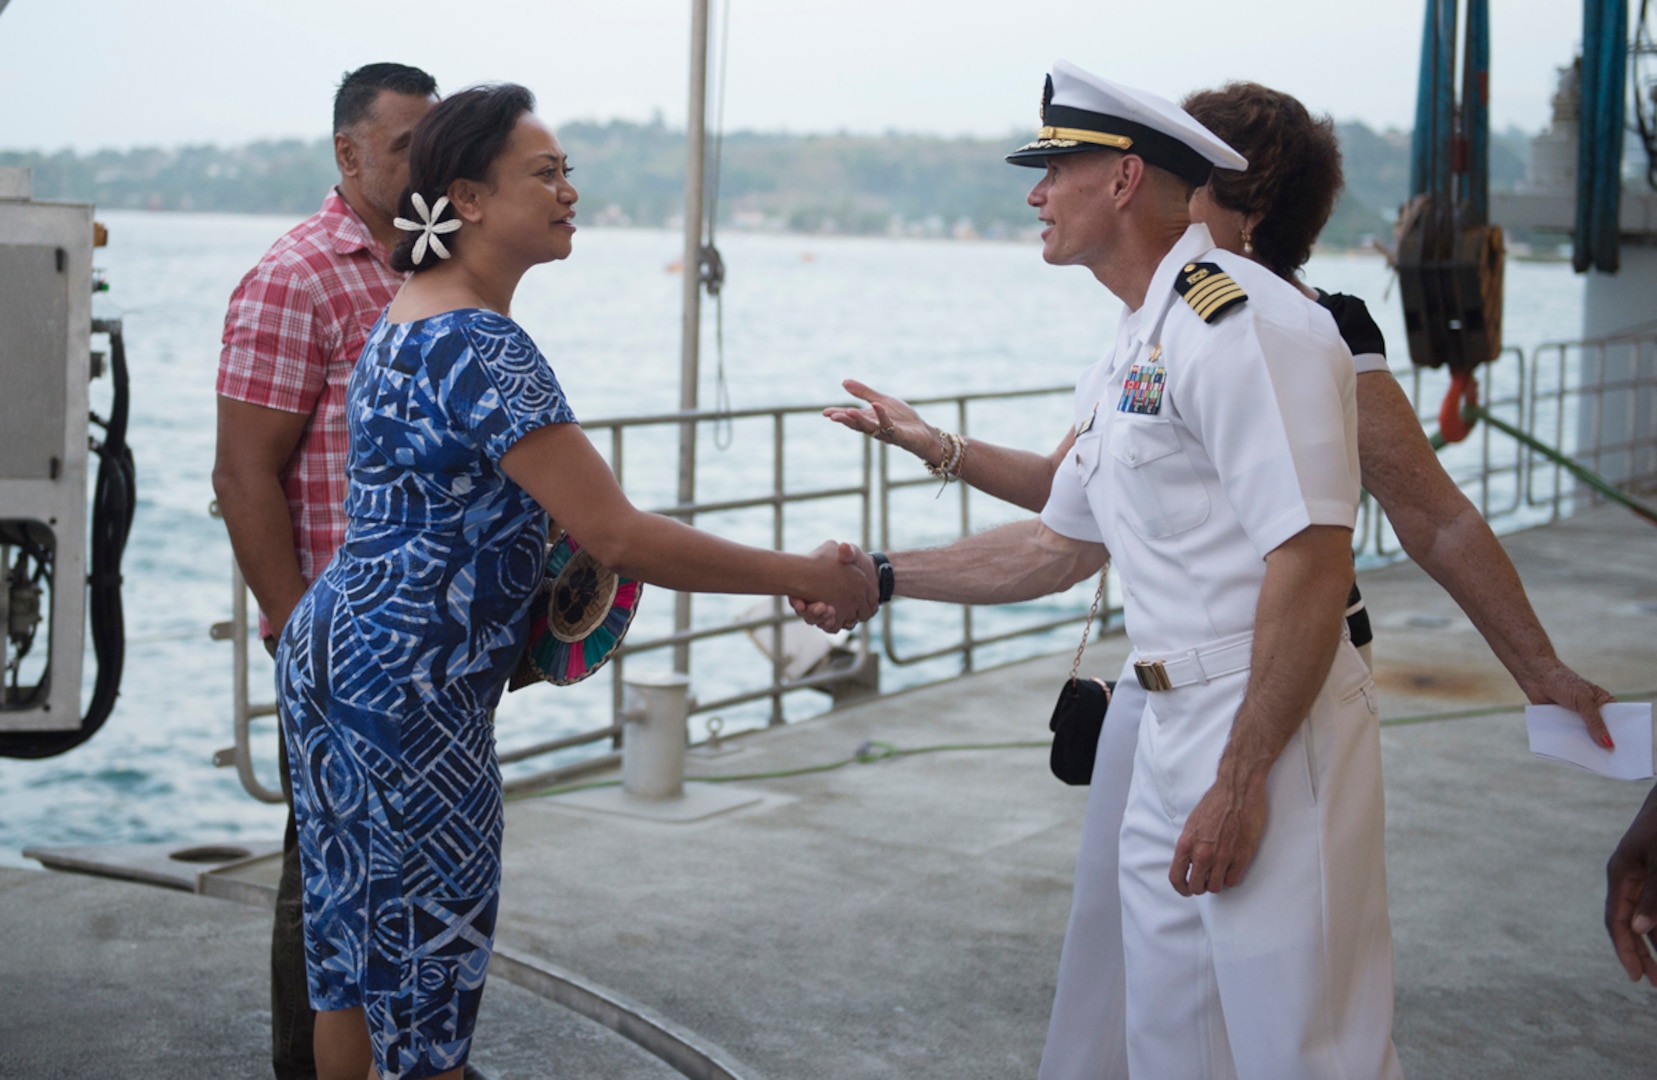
(883, 574)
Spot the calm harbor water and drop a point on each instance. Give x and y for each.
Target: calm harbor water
(912, 317)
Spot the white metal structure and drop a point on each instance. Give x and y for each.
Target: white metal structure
(45, 366)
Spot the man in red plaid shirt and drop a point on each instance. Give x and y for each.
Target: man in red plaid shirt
(295, 327)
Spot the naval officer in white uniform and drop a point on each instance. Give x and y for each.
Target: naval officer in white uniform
(1216, 460)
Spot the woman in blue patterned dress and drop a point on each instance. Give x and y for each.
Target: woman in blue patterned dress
(461, 446)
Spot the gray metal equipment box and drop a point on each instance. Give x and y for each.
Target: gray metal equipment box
(45, 366)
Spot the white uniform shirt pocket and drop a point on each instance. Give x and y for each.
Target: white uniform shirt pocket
(1159, 493)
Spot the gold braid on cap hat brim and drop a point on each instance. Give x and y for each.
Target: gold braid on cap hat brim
(1097, 138)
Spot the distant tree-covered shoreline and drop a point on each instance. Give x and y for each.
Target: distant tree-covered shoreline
(633, 174)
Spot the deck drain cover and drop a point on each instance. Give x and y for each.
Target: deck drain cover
(210, 853)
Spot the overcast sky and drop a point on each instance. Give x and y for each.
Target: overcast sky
(87, 74)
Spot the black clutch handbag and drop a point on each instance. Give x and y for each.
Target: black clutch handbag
(1077, 720)
(1079, 714)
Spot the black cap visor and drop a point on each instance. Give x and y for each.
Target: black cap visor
(1076, 131)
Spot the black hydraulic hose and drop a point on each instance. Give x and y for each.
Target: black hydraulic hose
(115, 496)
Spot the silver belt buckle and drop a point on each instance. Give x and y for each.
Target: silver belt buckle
(1152, 675)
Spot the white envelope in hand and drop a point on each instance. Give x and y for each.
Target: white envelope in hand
(1558, 733)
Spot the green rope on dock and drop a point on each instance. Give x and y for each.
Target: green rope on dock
(1592, 479)
(1491, 710)
(867, 753)
(1459, 714)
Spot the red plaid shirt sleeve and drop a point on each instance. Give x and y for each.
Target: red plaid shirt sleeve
(273, 352)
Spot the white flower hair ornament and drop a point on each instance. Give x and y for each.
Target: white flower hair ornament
(429, 227)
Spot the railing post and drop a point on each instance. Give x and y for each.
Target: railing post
(778, 489)
(241, 699)
(655, 735)
(968, 657)
(241, 704)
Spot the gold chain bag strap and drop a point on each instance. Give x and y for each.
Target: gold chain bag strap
(1080, 712)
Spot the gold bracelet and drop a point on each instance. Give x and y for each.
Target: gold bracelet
(955, 453)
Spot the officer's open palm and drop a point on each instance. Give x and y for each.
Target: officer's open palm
(888, 419)
(1219, 840)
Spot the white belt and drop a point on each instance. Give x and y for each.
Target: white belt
(1197, 665)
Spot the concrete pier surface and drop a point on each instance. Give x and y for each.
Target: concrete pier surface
(882, 891)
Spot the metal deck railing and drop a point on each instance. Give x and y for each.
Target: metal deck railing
(1596, 401)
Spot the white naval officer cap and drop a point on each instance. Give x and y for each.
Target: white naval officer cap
(1082, 112)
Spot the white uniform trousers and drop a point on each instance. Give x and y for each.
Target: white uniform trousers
(1087, 1032)
(1288, 976)
(1086, 1035)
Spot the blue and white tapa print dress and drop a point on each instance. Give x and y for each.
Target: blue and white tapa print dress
(387, 672)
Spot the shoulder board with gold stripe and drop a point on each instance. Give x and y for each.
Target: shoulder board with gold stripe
(1209, 290)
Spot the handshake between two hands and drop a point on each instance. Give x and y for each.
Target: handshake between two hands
(889, 420)
(851, 593)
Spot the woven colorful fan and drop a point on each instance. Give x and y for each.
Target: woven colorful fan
(577, 619)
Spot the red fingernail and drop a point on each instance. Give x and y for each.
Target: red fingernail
(1605, 741)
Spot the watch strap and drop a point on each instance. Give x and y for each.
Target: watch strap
(884, 576)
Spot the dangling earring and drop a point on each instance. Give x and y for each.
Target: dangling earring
(1248, 241)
